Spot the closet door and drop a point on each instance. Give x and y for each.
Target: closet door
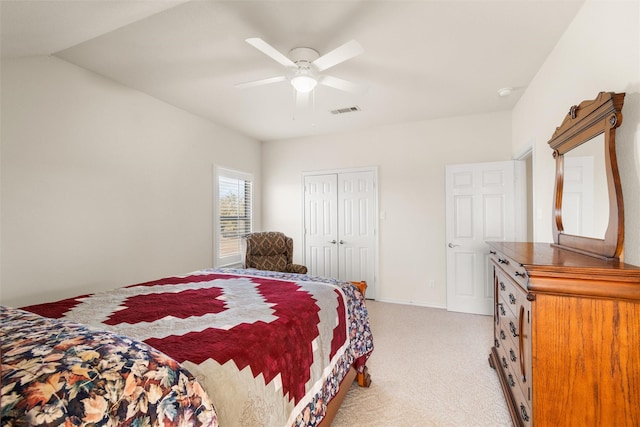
(356, 226)
(321, 224)
(340, 226)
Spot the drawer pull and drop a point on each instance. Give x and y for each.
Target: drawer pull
(496, 343)
(503, 261)
(518, 274)
(504, 363)
(502, 310)
(502, 286)
(512, 299)
(523, 412)
(512, 383)
(513, 329)
(512, 355)
(503, 336)
(493, 253)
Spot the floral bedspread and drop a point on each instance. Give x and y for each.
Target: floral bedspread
(269, 348)
(55, 372)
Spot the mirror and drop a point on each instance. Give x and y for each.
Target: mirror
(588, 214)
(584, 189)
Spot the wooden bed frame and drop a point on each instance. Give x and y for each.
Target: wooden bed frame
(363, 378)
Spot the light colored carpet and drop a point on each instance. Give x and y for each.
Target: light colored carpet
(429, 368)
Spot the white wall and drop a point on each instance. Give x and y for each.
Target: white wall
(600, 51)
(411, 158)
(103, 186)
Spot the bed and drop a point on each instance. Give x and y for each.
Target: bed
(269, 348)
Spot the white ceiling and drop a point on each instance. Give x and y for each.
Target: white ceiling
(422, 59)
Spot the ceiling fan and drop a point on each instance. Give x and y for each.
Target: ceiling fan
(305, 66)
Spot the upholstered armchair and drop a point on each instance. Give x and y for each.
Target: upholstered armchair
(270, 250)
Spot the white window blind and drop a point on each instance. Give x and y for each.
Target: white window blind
(233, 214)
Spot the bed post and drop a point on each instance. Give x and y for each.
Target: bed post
(364, 379)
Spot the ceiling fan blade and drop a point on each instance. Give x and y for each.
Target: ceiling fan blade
(270, 51)
(341, 84)
(261, 82)
(340, 54)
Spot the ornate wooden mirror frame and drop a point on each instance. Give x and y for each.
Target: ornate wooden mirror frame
(583, 123)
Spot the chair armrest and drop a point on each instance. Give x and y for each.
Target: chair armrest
(297, 268)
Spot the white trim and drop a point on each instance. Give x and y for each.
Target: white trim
(524, 153)
(373, 169)
(414, 303)
(530, 150)
(520, 200)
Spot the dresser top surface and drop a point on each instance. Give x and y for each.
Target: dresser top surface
(558, 271)
(535, 256)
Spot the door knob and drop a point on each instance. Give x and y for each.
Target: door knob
(341, 242)
(451, 245)
(333, 242)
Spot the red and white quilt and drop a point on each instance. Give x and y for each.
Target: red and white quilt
(269, 348)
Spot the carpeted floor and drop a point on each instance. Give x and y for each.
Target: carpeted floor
(429, 368)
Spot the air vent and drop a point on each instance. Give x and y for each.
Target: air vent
(346, 110)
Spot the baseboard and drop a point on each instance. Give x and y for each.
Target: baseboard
(419, 304)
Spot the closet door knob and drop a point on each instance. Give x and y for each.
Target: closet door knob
(451, 245)
(333, 242)
(341, 242)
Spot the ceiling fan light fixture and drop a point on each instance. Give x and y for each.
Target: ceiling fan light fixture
(304, 83)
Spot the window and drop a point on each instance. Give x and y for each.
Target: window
(233, 218)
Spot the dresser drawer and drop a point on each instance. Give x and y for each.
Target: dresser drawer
(511, 268)
(513, 354)
(523, 406)
(509, 293)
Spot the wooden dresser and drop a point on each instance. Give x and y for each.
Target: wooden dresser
(567, 336)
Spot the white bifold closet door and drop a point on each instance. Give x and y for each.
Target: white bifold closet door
(340, 226)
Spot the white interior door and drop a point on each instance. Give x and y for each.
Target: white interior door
(321, 224)
(340, 226)
(356, 226)
(480, 206)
